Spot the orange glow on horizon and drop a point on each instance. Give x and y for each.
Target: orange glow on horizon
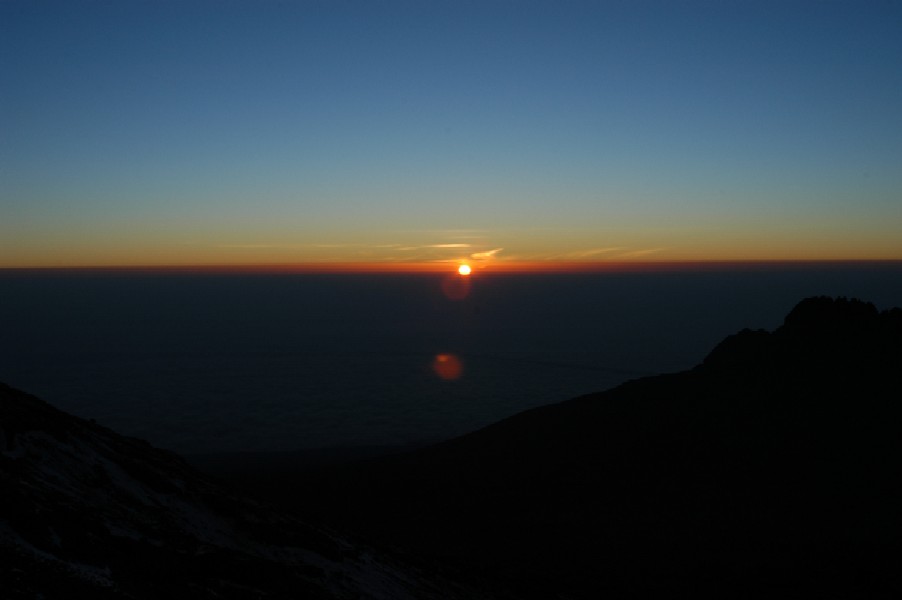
(441, 268)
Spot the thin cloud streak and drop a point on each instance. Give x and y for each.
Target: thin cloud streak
(250, 246)
(486, 255)
(638, 253)
(589, 253)
(439, 253)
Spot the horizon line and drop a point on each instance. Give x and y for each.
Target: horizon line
(432, 268)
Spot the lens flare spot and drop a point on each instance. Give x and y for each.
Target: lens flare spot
(447, 366)
(464, 270)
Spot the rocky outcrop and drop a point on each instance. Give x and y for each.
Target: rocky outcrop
(819, 333)
(771, 469)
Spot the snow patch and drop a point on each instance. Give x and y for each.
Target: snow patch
(98, 576)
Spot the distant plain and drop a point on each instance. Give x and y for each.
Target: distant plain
(217, 362)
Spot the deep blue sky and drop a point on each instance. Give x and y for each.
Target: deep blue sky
(166, 132)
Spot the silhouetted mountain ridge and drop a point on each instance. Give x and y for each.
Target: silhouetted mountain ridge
(845, 333)
(771, 468)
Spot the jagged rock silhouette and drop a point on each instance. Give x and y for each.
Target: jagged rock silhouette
(769, 469)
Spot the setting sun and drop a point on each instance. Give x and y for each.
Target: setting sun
(464, 269)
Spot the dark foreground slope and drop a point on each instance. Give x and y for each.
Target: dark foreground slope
(86, 513)
(772, 469)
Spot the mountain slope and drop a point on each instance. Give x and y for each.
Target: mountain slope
(771, 469)
(775, 467)
(85, 512)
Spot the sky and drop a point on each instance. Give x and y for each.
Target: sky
(402, 133)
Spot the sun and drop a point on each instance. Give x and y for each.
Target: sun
(464, 269)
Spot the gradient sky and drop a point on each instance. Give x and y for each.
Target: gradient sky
(179, 132)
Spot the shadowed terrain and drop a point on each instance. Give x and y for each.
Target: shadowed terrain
(87, 513)
(771, 468)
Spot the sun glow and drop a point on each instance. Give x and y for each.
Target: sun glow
(464, 269)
